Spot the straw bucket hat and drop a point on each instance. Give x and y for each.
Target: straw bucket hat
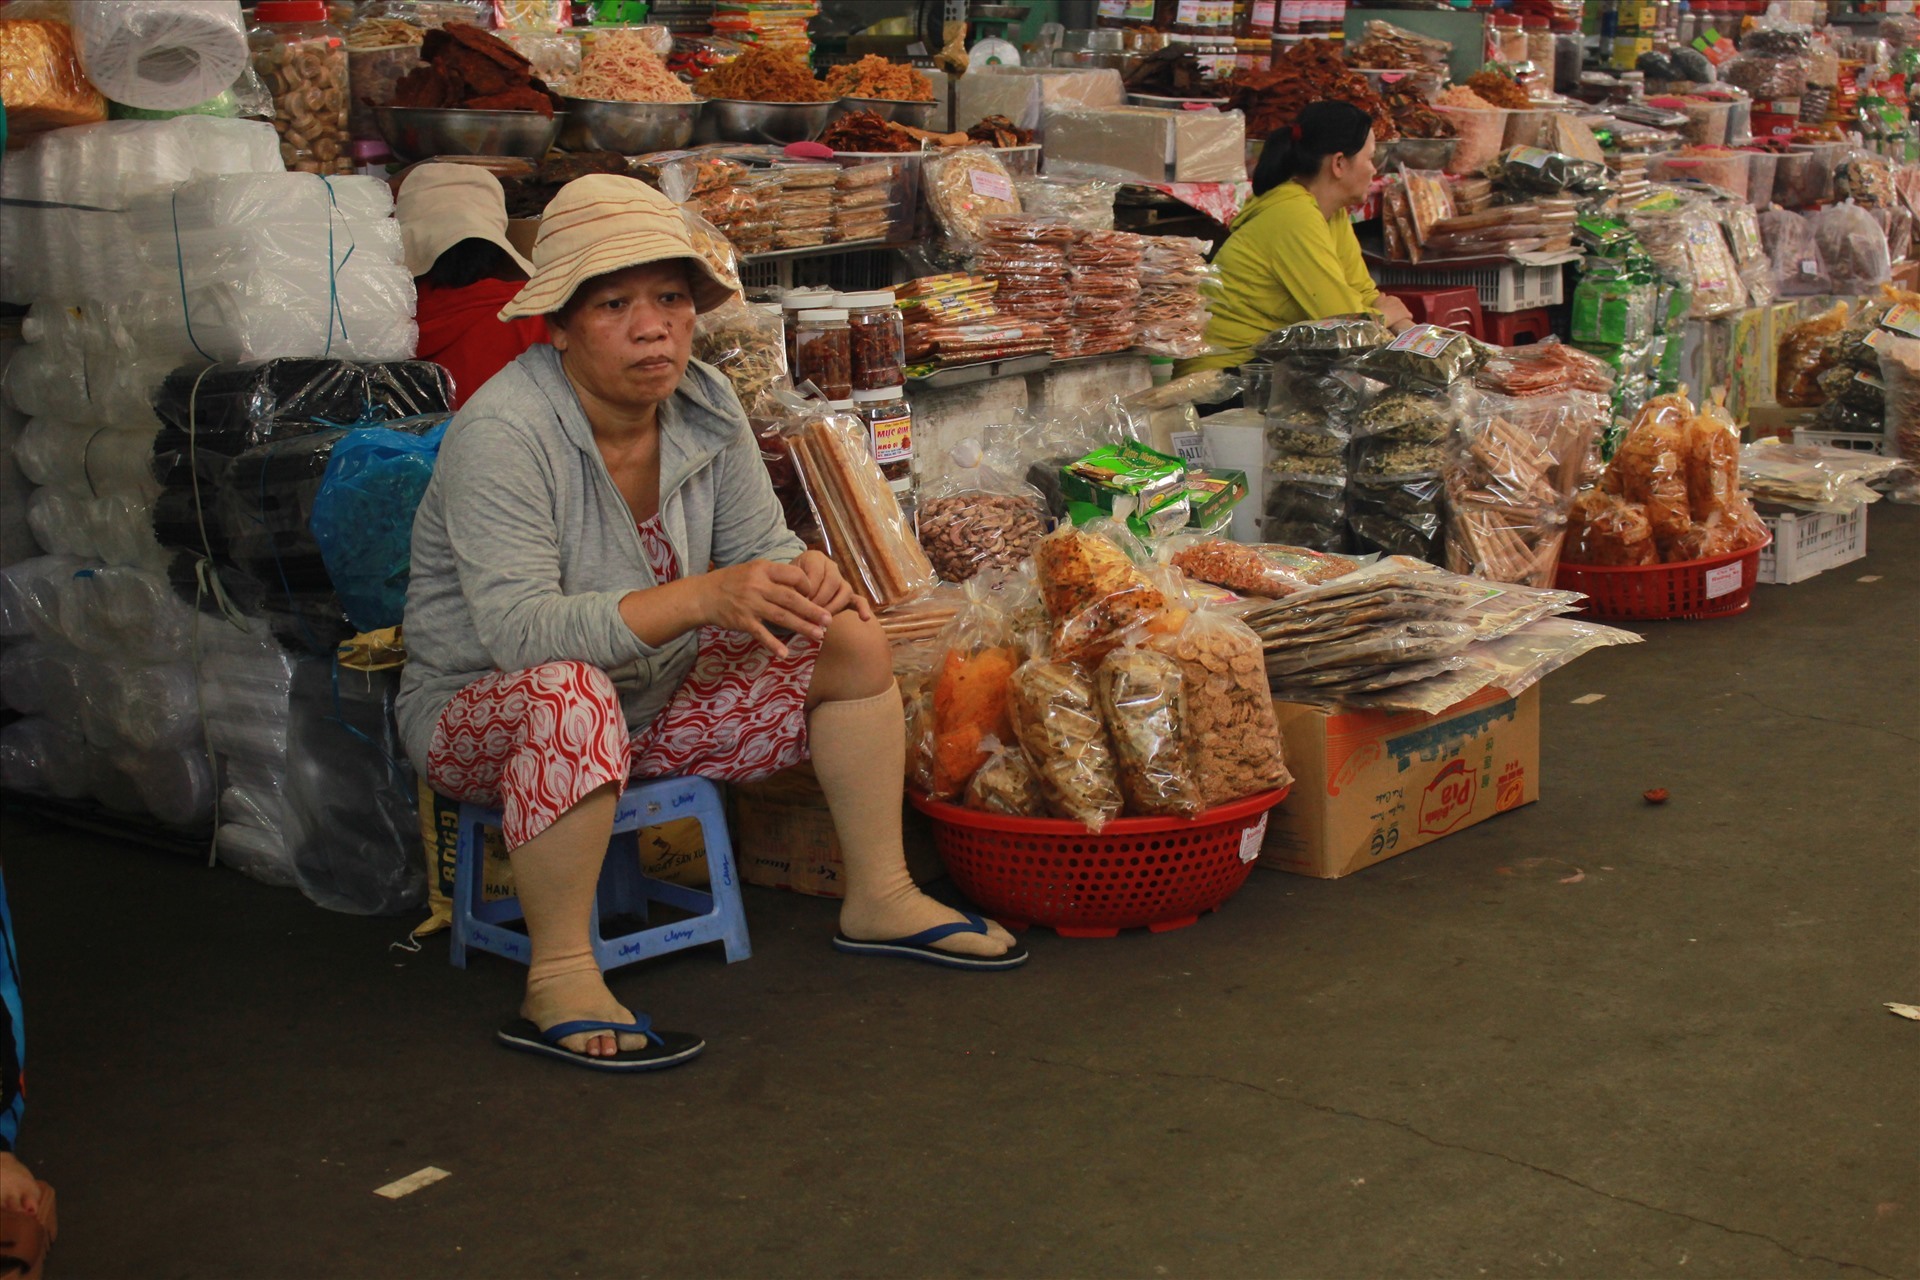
(440, 205)
(604, 223)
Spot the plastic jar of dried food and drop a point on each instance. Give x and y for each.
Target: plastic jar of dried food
(303, 60)
(823, 346)
(792, 303)
(889, 422)
(879, 339)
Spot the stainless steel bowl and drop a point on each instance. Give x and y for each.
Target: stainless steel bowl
(421, 133)
(898, 110)
(1414, 153)
(732, 120)
(631, 128)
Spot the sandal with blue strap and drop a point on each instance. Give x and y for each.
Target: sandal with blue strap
(663, 1049)
(919, 946)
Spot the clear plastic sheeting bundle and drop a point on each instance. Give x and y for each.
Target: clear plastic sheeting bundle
(245, 683)
(247, 266)
(62, 230)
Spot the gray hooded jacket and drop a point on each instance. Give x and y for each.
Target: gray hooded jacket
(523, 548)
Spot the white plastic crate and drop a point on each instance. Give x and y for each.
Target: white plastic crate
(1512, 287)
(1858, 441)
(1806, 543)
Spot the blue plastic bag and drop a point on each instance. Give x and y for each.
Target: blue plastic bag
(363, 515)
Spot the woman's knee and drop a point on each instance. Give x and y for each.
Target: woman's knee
(855, 659)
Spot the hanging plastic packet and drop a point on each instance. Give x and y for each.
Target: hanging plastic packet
(1542, 172)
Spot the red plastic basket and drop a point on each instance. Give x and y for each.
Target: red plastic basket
(1152, 873)
(1718, 587)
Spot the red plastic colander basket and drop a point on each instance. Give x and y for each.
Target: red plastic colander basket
(1152, 873)
(1718, 587)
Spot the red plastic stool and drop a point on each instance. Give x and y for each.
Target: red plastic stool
(1515, 328)
(1453, 308)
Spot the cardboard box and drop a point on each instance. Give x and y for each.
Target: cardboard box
(1370, 785)
(783, 835)
(1147, 144)
(521, 233)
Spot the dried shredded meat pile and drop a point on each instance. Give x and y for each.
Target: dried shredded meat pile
(467, 67)
(1412, 115)
(763, 75)
(1308, 72)
(998, 131)
(867, 131)
(1499, 90)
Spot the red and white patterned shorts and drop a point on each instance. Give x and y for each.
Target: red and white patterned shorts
(537, 742)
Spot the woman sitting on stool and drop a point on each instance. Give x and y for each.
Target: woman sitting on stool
(603, 585)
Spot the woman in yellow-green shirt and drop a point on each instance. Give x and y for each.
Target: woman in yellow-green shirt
(1292, 254)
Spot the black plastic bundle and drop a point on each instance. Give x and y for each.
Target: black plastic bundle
(219, 412)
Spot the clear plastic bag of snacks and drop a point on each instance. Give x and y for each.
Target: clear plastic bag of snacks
(1056, 715)
(1233, 738)
(1142, 701)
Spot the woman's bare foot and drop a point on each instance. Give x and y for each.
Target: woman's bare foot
(19, 1193)
(906, 914)
(576, 995)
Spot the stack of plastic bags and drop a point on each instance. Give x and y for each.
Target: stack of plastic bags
(143, 248)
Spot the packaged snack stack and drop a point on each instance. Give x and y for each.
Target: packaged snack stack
(952, 319)
(1028, 257)
(1105, 282)
(805, 205)
(780, 25)
(1173, 311)
(863, 207)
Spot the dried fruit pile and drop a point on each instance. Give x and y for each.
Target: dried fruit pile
(1310, 71)
(467, 67)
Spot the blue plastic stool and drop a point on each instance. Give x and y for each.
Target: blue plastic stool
(624, 889)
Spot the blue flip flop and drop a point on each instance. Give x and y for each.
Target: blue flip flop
(664, 1048)
(920, 947)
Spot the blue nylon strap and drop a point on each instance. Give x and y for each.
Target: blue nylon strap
(180, 265)
(926, 937)
(640, 1026)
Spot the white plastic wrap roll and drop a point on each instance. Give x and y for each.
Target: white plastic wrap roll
(161, 55)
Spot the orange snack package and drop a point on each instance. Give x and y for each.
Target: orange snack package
(1650, 467)
(1713, 463)
(969, 705)
(1605, 530)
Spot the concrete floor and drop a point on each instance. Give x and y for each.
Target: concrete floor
(1467, 1061)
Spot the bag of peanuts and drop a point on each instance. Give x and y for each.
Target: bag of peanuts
(974, 517)
(1232, 737)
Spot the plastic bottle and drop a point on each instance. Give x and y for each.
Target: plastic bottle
(889, 423)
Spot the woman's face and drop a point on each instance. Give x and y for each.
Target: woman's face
(628, 335)
(1354, 173)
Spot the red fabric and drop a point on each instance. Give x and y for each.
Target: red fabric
(533, 742)
(460, 330)
(536, 742)
(741, 713)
